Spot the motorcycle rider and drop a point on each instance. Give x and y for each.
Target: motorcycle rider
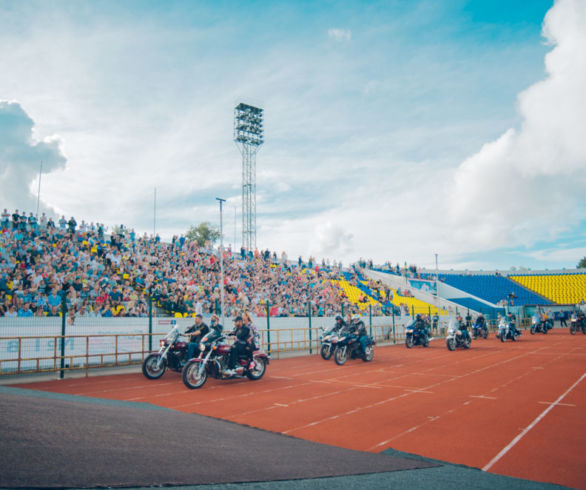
(358, 329)
(195, 333)
(512, 322)
(240, 346)
(479, 324)
(215, 329)
(421, 326)
(339, 325)
(463, 327)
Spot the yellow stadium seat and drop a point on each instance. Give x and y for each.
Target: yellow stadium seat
(559, 288)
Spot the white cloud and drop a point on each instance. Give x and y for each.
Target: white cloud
(330, 240)
(21, 156)
(529, 184)
(340, 34)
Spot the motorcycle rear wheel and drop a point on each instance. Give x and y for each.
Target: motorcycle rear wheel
(260, 366)
(467, 343)
(368, 354)
(426, 342)
(190, 375)
(149, 366)
(326, 352)
(340, 356)
(485, 334)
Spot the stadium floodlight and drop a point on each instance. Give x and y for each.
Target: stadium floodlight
(249, 136)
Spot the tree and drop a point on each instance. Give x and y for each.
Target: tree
(202, 233)
(582, 264)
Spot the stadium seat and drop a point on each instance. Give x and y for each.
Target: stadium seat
(559, 288)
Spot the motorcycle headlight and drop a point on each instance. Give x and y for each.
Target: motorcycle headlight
(202, 346)
(341, 338)
(409, 331)
(163, 343)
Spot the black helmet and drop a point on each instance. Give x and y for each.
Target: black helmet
(338, 318)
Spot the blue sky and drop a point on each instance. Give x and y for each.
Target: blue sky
(386, 122)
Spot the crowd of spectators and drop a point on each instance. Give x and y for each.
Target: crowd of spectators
(45, 266)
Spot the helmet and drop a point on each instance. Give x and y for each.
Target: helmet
(418, 316)
(355, 318)
(338, 318)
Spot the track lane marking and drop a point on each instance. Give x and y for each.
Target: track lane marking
(511, 444)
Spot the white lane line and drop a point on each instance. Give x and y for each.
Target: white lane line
(483, 396)
(511, 444)
(558, 404)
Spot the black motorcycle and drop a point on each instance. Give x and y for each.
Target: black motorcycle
(480, 330)
(172, 354)
(416, 336)
(543, 326)
(577, 323)
(348, 346)
(508, 331)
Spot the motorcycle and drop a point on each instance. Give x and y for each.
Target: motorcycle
(348, 346)
(214, 361)
(455, 338)
(541, 327)
(328, 343)
(577, 323)
(416, 336)
(507, 330)
(172, 354)
(480, 330)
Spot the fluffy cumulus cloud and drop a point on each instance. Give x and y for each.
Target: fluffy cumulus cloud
(340, 34)
(21, 156)
(330, 240)
(529, 183)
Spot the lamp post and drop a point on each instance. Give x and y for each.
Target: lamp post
(221, 201)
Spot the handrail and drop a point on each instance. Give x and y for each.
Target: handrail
(124, 349)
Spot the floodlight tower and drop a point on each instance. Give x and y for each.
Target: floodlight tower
(248, 135)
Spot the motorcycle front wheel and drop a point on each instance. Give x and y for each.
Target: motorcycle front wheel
(467, 343)
(340, 356)
(150, 369)
(258, 370)
(326, 352)
(573, 330)
(502, 336)
(426, 342)
(191, 376)
(532, 330)
(451, 344)
(368, 354)
(409, 342)
(485, 334)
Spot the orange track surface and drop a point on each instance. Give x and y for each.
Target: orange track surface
(462, 407)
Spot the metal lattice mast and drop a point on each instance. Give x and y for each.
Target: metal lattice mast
(248, 135)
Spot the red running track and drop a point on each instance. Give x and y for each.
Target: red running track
(488, 407)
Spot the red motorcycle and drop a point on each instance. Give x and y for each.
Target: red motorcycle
(214, 361)
(172, 354)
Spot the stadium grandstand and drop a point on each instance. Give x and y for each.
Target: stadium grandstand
(120, 273)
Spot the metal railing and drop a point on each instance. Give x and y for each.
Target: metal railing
(94, 351)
